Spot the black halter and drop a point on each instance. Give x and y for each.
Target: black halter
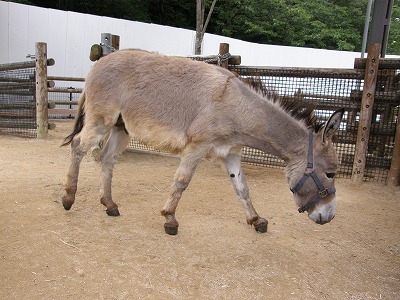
(322, 191)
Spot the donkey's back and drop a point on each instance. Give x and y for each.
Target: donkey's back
(163, 101)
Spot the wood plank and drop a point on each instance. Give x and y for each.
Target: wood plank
(61, 78)
(23, 65)
(64, 90)
(367, 103)
(18, 106)
(384, 63)
(298, 72)
(394, 172)
(62, 111)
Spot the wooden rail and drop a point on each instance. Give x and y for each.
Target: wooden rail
(24, 65)
(65, 90)
(384, 63)
(298, 72)
(60, 78)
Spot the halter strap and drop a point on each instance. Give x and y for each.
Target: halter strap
(322, 191)
(310, 165)
(310, 156)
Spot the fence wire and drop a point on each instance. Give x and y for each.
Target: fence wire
(328, 90)
(17, 102)
(65, 101)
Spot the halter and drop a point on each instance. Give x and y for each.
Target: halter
(322, 191)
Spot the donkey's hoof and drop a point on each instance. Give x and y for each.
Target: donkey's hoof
(113, 212)
(262, 226)
(171, 229)
(66, 204)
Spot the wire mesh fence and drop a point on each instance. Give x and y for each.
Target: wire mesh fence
(65, 100)
(64, 96)
(17, 102)
(328, 90)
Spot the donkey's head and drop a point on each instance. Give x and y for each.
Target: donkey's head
(311, 179)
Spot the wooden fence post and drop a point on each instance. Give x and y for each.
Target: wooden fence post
(224, 49)
(41, 91)
(115, 41)
(367, 103)
(394, 172)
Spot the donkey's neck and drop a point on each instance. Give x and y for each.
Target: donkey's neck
(279, 134)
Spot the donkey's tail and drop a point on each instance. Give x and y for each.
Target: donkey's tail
(79, 120)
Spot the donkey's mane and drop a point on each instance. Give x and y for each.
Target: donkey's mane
(297, 109)
(301, 111)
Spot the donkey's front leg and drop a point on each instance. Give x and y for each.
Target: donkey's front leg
(190, 159)
(232, 165)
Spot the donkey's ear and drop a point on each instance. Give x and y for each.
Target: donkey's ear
(332, 125)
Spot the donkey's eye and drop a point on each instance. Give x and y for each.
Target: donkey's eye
(330, 175)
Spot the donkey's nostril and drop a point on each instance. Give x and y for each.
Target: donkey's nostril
(319, 221)
(323, 221)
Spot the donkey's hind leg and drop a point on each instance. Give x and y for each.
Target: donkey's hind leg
(77, 154)
(81, 143)
(116, 143)
(232, 165)
(191, 157)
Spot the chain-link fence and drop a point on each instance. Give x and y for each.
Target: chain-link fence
(17, 102)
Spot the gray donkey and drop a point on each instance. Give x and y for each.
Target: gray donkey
(198, 110)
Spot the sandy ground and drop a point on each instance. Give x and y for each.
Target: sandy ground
(49, 253)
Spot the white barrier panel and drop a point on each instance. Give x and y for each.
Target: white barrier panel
(70, 35)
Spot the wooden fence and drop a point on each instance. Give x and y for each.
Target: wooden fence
(368, 144)
(24, 104)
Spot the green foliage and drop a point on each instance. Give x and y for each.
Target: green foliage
(317, 23)
(394, 31)
(325, 24)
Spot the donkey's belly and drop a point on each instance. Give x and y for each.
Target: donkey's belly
(160, 137)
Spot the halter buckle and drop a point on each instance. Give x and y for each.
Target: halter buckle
(323, 193)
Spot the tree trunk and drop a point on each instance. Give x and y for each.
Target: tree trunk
(200, 25)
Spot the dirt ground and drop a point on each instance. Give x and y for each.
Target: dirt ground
(49, 253)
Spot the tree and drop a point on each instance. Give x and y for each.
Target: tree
(201, 26)
(393, 46)
(312, 23)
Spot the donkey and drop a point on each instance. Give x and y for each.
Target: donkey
(198, 110)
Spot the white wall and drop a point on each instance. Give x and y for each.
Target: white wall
(70, 35)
